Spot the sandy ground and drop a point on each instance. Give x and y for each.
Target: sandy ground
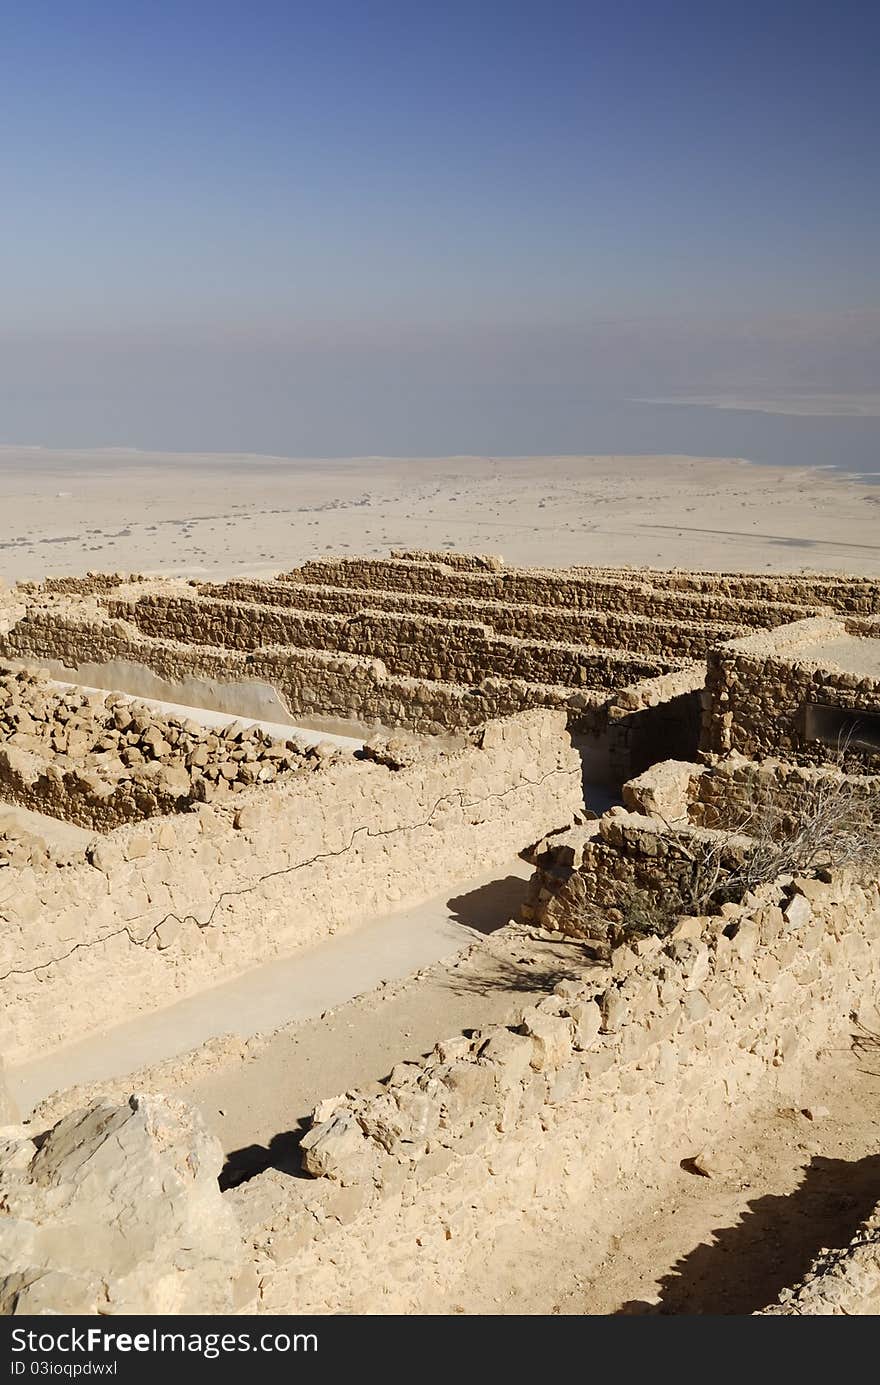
(216, 515)
(787, 1187)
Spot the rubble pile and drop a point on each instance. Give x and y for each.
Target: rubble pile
(101, 746)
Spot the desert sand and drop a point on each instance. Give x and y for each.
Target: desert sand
(192, 514)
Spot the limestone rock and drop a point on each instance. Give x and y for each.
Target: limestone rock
(551, 1039)
(798, 912)
(336, 1148)
(511, 1052)
(816, 1113)
(711, 1164)
(118, 1211)
(662, 791)
(247, 818)
(587, 1022)
(614, 1010)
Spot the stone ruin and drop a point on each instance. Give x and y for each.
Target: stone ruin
(196, 778)
(102, 760)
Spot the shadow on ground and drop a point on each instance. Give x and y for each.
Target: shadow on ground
(774, 1244)
(527, 967)
(529, 975)
(490, 906)
(281, 1153)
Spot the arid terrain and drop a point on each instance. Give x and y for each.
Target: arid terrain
(512, 925)
(219, 515)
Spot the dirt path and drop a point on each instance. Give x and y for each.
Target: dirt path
(259, 1108)
(788, 1186)
(257, 1093)
(290, 989)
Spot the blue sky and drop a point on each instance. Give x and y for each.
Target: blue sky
(278, 200)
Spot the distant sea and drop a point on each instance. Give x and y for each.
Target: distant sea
(531, 422)
(849, 444)
(842, 443)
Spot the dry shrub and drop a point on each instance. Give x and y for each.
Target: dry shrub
(834, 825)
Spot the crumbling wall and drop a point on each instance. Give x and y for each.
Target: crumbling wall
(585, 1097)
(461, 562)
(449, 645)
(656, 719)
(642, 635)
(624, 870)
(690, 837)
(87, 645)
(88, 584)
(603, 589)
(739, 794)
(758, 690)
(102, 760)
(834, 591)
(166, 908)
(441, 649)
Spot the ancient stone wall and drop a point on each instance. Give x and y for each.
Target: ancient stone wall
(840, 592)
(625, 870)
(101, 760)
(176, 903)
(868, 626)
(450, 644)
(739, 794)
(461, 562)
(732, 791)
(655, 719)
(274, 684)
(443, 650)
(759, 689)
(622, 730)
(585, 1097)
(571, 588)
(836, 591)
(694, 836)
(89, 584)
(639, 635)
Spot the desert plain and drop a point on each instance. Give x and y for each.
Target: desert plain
(215, 515)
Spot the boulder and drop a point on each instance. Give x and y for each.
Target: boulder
(336, 1148)
(118, 1211)
(662, 791)
(551, 1037)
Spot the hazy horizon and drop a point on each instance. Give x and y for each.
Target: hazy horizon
(381, 229)
(844, 443)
